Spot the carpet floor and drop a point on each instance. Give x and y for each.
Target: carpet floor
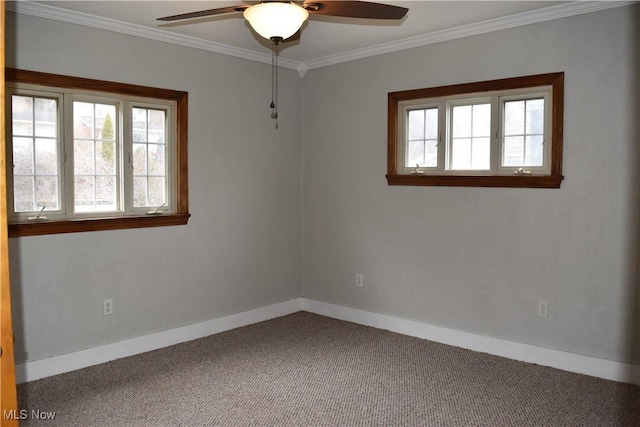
(309, 370)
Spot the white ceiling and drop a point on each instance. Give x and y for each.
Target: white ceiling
(324, 39)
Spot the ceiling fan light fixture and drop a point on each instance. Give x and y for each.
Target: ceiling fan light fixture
(276, 20)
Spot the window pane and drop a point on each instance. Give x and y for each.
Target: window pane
(534, 153)
(84, 193)
(157, 126)
(415, 153)
(83, 157)
(481, 120)
(105, 158)
(23, 156)
(462, 121)
(513, 151)
(106, 148)
(514, 118)
(430, 153)
(535, 116)
(46, 157)
(139, 121)
(24, 194)
(431, 121)
(416, 124)
(83, 118)
(156, 159)
(106, 193)
(140, 192)
(149, 192)
(139, 159)
(47, 192)
(157, 191)
(480, 153)
(461, 153)
(22, 115)
(46, 117)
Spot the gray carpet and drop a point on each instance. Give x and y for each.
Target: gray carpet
(304, 369)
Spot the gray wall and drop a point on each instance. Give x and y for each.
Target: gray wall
(476, 259)
(470, 259)
(241, 249)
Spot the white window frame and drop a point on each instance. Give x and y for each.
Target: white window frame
(67, 90)
(445, 105)
(124, 146)
(549, 87)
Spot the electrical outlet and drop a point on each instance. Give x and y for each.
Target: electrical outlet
(543, 308)
(107, 307)
(359, 280)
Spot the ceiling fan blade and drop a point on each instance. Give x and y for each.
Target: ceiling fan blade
(356, 9)
(201, 13)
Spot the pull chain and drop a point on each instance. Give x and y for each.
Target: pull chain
(274, 79)
(273, 66)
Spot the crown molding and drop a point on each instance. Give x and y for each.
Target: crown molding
(85, 19)
(497, 24)
(476, 28)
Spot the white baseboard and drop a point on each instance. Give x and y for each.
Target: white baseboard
(610, 370)
(607, 369)
(55, 365)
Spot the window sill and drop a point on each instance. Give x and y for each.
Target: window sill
(527, 181)
(22, 229)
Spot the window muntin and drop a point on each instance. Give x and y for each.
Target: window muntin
(89, 152)
(505, 133)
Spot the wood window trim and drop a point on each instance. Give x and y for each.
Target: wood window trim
(553, 180)
(180, 217)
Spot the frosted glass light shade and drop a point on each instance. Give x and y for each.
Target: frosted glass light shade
(275, 19)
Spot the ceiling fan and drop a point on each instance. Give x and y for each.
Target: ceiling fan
(281, 20)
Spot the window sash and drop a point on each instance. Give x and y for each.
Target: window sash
(59, 152)
(169, 131)
(404, 163)
(545, 168)
(74, 142)
(496, 139)
(475, 139)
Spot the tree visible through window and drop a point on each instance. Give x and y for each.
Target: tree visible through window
(95, 172)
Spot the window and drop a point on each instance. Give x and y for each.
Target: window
(500, 133)
(91, 155)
